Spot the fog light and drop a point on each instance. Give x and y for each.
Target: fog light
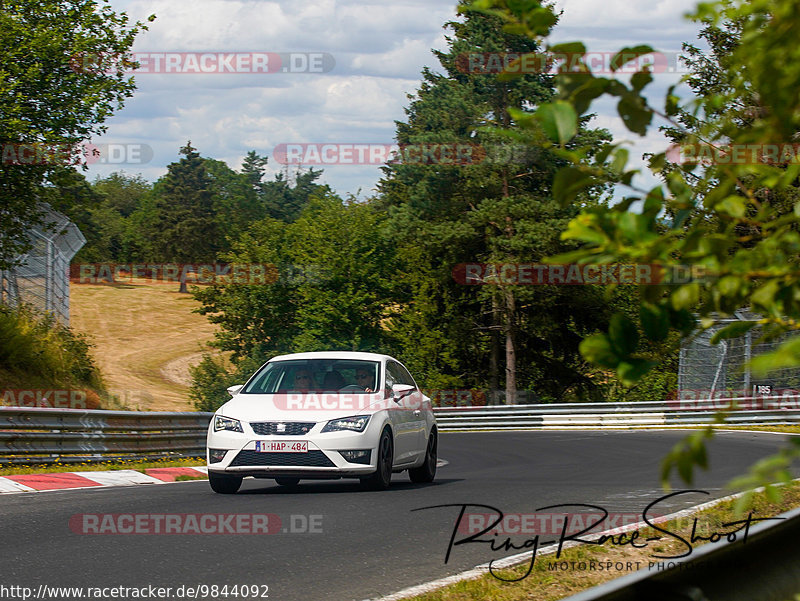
(216, 455)
(359, 456)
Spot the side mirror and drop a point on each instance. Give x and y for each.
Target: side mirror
(401, 390)
(233, 390)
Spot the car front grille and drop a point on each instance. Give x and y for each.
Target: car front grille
(254, 458)
(292, 428)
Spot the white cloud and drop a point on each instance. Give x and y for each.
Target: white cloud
(628, 19)
(379, 48)
(402, 60)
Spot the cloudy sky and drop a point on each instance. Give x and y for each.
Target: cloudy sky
(370, 53)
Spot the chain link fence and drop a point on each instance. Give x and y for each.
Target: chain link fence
(41, 276)
(720, 370)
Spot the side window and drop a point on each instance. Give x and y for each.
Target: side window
(405, 377)
(390, 379)
(399, 374)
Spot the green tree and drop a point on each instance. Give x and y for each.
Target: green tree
(183, 225)
(61, 76)
(253, 170)
(100, 209)
(727, 218)
(121, 192)
(496, 209)
(121, 195)
(330, 290)
(711, 75)
(228, 202)
(285, 200)
(348, 257)
(236, 201)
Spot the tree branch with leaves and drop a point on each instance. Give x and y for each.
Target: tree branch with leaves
(735, 221)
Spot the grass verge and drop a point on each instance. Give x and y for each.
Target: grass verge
(784, 429)
(145, 337)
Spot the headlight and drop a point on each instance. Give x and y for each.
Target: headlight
(226, 423)
(356, 423)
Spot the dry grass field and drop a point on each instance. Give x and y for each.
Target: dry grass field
(145, 338)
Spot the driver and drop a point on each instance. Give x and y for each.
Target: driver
(364, 379)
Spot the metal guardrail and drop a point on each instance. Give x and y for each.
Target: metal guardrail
(29, 436)
(662, 414)
(40, 435)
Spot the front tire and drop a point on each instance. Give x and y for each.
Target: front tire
(427, 471)
(382, 478)
(224, 485)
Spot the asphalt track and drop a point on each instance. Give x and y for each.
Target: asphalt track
(371, 543)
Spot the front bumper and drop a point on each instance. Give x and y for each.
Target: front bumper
(322, 460)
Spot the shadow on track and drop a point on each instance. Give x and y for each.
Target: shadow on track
(269, 487)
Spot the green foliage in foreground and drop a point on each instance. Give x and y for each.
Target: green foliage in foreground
(737, 222)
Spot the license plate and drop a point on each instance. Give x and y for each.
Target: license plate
(281, 446)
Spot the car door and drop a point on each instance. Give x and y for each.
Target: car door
(400, 414)
(417, 417)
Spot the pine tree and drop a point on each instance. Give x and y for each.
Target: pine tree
(284, 201)
(186, 229)
(497, 210)
(253, 169)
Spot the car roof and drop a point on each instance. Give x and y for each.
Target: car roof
(334, 355)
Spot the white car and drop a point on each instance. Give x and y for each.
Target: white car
(323, 415)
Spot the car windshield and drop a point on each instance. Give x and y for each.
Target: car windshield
(314, 375)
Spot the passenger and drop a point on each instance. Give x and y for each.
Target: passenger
(303, 381)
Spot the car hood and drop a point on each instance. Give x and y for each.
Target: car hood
(304, 407)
